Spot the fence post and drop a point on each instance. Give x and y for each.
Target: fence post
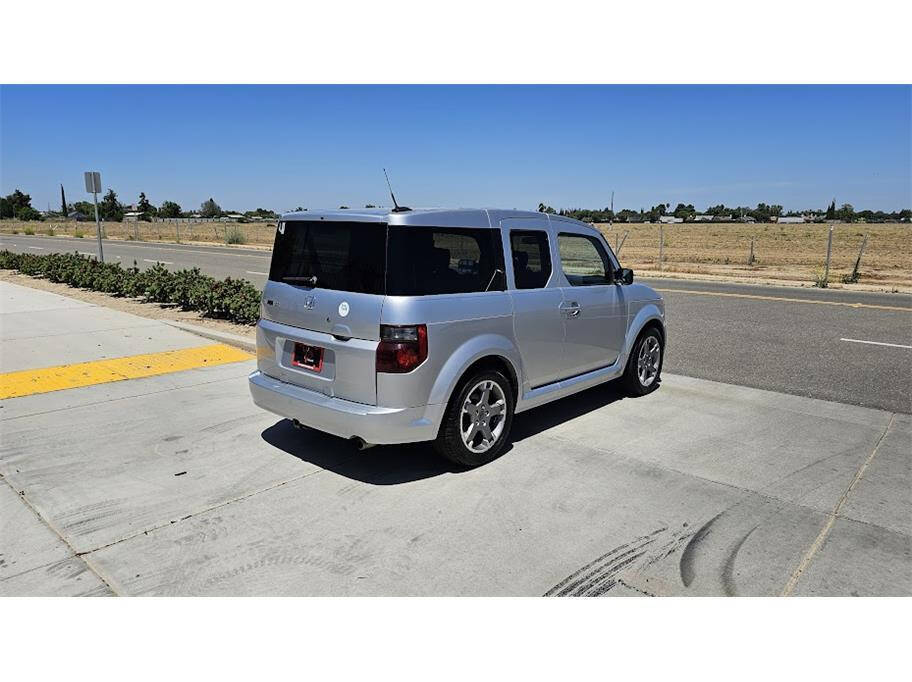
(177, 230)
(136, 231)
(826, 272)
(621, 244)
(858, 260)
(750, 259)
(661, 244)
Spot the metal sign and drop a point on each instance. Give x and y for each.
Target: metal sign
(93, 187)
(93, 182)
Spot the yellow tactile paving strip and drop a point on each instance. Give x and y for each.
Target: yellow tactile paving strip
(47, 379)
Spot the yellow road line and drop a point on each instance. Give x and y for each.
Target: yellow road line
(47, 379)
(787, 300)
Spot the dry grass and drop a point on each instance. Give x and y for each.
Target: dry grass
(212, 232)
(782, 252)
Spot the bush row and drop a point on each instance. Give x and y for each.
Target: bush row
(230, 299)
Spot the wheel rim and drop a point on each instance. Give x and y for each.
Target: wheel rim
(648, 361)
(483, 415)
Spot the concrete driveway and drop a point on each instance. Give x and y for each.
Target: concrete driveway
(175, 484)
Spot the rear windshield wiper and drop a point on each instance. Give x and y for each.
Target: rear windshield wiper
(311, 280)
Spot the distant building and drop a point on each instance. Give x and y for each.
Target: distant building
(722, 219)
(670, 219)
(790, 219)
(703, 218)
(132, 216)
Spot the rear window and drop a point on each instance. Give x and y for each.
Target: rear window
(341, 255)
(431, 260)
(374, 258)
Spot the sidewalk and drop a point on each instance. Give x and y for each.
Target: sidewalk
(176, 484)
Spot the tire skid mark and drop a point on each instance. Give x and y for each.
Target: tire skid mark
(728, 570)
(568, 584)
(601, 575)
(603, 583)
(686, 565)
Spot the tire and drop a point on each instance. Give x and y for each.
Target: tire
(457, 421)
(640, 379)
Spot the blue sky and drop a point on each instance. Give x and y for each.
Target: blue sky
(508, 146)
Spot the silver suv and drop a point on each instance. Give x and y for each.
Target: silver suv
(439, 325)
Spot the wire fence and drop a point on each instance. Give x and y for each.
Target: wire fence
(766, 250)
(883, 251)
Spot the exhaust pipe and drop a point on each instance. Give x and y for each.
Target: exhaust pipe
(362, 445)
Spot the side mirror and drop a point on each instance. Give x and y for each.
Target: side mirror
(624, 276)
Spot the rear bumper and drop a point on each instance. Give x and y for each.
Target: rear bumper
(343, 418)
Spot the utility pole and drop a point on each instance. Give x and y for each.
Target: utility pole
(611, 220)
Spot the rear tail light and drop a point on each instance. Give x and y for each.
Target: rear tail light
(401, 349)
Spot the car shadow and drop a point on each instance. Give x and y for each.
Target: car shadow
(395, 464)
(534, 421)
(379, 465)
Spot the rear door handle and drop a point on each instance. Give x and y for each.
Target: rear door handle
(570, 309)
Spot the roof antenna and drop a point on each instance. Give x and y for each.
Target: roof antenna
(397, 208)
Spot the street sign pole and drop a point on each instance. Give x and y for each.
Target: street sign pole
(98, 229)
(93, 185)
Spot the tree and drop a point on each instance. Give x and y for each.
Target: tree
(210, 209)
(28, 213)
(657, 212)
(831, 211)
(343, 207)
(110, 208)
(761, 214)
(846, 213)
(86, 208)
(542, 208)
(300, 208)
(719, 209)
(14, 203)
(685, 212)
(145, 208)
(169, 209)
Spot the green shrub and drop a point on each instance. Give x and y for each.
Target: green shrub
(79, 234)
(234, 235)
(29, 230)
(50, 231)
(231, 299)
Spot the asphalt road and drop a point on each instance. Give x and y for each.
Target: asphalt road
(782, 339)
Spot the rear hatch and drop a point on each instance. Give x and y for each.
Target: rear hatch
(320, 319)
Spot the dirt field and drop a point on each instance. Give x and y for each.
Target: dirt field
(781, 252)
(793, 253)
(262, 234)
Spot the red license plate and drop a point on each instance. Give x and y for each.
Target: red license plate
(308, 357)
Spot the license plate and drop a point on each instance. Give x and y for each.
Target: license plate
(307, 357)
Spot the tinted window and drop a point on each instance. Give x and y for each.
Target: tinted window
(531, 258)
(583, 260)
(432, 260)
(343, 256)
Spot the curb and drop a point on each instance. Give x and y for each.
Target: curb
(242, 342)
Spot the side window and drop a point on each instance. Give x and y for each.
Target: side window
(584, 260)
(423, 261)
(531, 258)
